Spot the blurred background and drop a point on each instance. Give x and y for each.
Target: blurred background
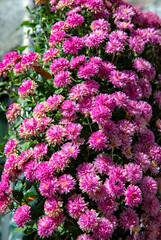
(12, 13)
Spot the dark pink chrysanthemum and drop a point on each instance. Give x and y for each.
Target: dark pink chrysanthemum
(104, 229)
(59, 161)
(48, 186)
(89, 183)
(76, 205)
(66, 183)
(55, 134)
(10, 147)
(129, 219)
(149, 186)
(72, 45)
(30, 170)
(44, 170)
(98, 141)
(56, 38)
(133, 173)
(88, 220)
(74, 20)
(77, 61)
(59, 64)
(103, 163)
(22, 215)
(26, 88)
(133, 196)
(46, 225)
(40, 150)
(50, 54)
(53, 206)
(84, 237)
(29, 60)
(62, 79)
(13, 111)
(87, 70)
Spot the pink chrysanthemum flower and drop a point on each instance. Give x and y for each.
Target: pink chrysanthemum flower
(59, 161)
(68, 108)
(22, 215)
(74, 10)
(70, 150)
(13, 111)
(85, 169)
(115, 186)
(73, 130)
(62, 79)
(149, 186)
(56, 38)
(87, 70)
(98, 141)
(66, 183)
(50, 54)
(107, 205)
(155, 153)
(53, 206)
(74, 20)
(30, 60)
(10, 165)
(55, 134)
(23, 158)
(58, 26)
(95, 6)
(59, 64)
(157, 96)
(133, 196)
(72, 45)
(117, 172)
(12, 57)
(76, 205)
(129, 219)
(30, 170)
(124, 12)
(84, 237)
(95, 38)
(54, 101)
(5, 200)
(88, 220)
(10, 147)
(104, 229)
(48, 186)
(100, 24)
(40, 110)
(40, 150)
(18, 69)
(120, 99)
(77, 61)
(26, 88)
(100, 113)
(44, 170)
(133, 173)
(46, 225)
(151, 205)
(89, 183)
(103, 163)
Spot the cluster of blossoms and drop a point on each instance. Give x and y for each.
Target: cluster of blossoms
(94, 155)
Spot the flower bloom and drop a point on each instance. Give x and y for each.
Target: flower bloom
(30, 60)
(66, 183)
(129, 219)
(76, 205)
(10, 147)
(46, 225)
(98, 141)
(88, 220)
(22, 215)
(72, 45)
(62, 79)
(52, 206)
(50, 54)
(133, 196)
(26, 88)
(74, 20)
(13, 111)
(55, 134)
(104, 229)
(59, 64)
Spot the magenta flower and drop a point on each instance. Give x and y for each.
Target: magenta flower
(76, 205)
(66, 183)
(133, 196)
(46, 225)
(13, 111)
(98, 141)
(129, 219)
(88, 220)
(22, 215)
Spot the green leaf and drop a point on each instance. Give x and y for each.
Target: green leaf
(25, 146)
(28, 24)
(27, 195)
(21, 48)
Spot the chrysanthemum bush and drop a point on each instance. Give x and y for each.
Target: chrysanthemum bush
(84, 156)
